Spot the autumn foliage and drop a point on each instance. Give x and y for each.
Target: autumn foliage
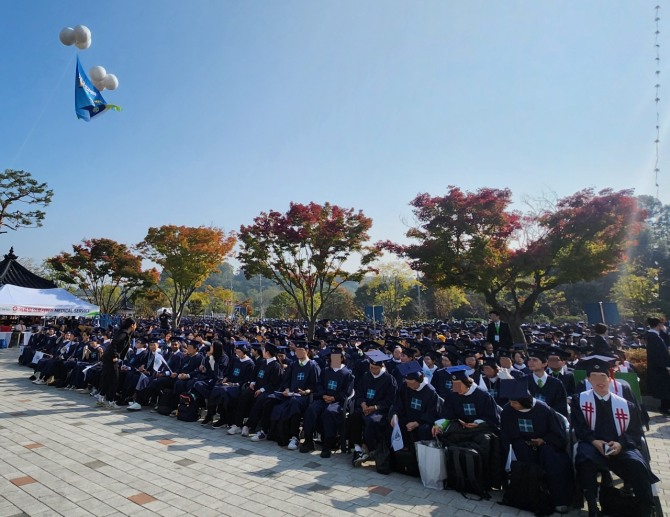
(187, 255)
(476, 242)
(105, 270)
(304, 251)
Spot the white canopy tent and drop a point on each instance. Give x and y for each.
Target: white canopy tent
(22, 301)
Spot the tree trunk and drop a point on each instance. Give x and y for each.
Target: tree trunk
(514, 320)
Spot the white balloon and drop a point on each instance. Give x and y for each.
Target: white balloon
(66, 36)
(82, 34)
(97, 73)
(84, 45)
(110, 82)
(99, 85)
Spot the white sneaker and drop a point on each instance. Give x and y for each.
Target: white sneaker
(101, 402)
(259, 436)
(234, 430)
(112, 405)
(245, 431)
(134, 407)
(293, 444)
(94, 393)
(39, 381)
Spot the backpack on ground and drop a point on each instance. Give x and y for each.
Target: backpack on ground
(617, 504)
(527, 489)
(465, 472)
(189, 409)
(404, 461)
(167, 402)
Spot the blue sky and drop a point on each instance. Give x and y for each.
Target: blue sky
(235, 107)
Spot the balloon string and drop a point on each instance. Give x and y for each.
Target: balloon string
(44, 109)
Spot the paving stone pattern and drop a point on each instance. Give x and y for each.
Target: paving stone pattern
(60, 455)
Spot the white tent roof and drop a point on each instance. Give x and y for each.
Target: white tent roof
(22, 301)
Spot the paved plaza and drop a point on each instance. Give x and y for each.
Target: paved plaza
(60, 455)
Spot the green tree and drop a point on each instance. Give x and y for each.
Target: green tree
(341, 306)
(188, 256)
(20, 195)
(446, 300)
(304, 251)
(636, 292)
(197, 304)
(282, 307)
(391, 288)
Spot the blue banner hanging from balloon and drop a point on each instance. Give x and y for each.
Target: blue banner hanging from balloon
(88, 101)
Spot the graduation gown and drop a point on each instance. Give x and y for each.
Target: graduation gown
(475, 404)
(629, 464)
(422, 406)
(297, 377)
(540, 421)
(552, 393)
(658, 362)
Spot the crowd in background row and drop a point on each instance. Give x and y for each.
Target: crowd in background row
(462, 382)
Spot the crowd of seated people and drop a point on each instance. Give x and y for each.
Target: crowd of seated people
(353, 385)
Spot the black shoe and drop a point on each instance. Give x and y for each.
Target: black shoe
(206, 421)
(307, 447)
(326, 453)
(359, 458)
(219, 423)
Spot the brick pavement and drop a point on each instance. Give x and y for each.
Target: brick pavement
(62, 456)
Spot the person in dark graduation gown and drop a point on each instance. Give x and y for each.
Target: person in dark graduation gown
(469, 407)
(268, 377)
(417, 406)
(537, 434)
(374, 398)
(211, 373)
(490, 370)
(299, 383)
(599, 342)
(190, 369)
(542, 386)
(506, 362)
(609, 433)
(330, 395)
(225, 394)
(471, 415)
(557, 368)
(658, 364)
(441, 379)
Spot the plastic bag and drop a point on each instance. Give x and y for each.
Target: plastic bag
(396, 437)
(432, 463)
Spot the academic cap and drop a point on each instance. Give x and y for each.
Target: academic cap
(596, 364)
(377, 357)
(410, 370)
(538, 353)
(514, 389)
(271, 349)
(490, 361)
(558, 351)
(434, 355)
(504, 352)
(409, 352)
(242, 345)
(458, 373)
